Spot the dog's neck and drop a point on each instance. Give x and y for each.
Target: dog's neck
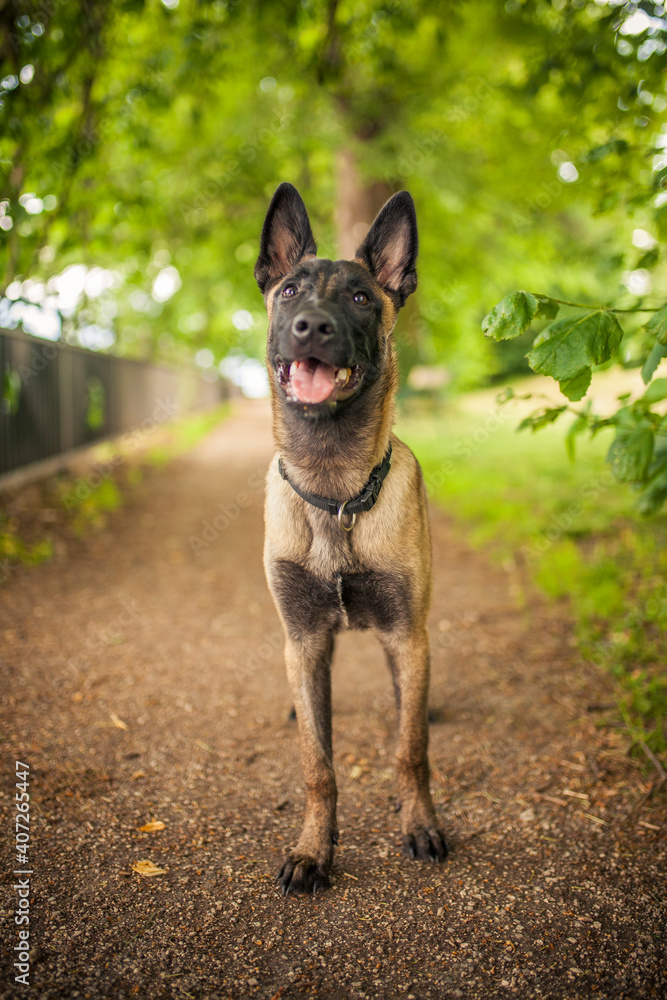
(334, 457)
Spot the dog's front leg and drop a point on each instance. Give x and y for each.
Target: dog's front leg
(308, 662)
(408, 656)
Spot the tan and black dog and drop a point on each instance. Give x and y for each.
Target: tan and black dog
(347, 536)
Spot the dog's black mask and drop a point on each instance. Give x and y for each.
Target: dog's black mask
(330, 320)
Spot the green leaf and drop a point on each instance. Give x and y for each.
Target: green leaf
(505, 396)
(540, 418)
(655, 493)
(654, 496)
(653, 360)
(511, 317)
(546, 308)
(649, 259)
(565, 348)
(659, 179)
(600, 152)
(657, 325)
(656, 391)
(575, 388)
(631, 452)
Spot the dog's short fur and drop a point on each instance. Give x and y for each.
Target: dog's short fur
(337, 316)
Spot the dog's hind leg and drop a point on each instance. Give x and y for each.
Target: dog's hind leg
(308, 662)
(408, 656)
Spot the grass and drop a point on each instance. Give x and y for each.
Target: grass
(184, 434)
(81, 503)
(14, 550)
(570, 527)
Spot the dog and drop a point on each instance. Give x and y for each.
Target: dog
(347, 542)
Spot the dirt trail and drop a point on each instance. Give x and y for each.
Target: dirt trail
(143, 680)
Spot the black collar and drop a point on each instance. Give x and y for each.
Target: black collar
(363, 501)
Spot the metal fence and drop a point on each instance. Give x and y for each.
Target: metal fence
(56, 398)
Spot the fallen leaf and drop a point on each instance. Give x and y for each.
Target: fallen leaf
(155, 824)
(147, 868)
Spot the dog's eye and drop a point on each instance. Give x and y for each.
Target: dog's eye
(360, 298)
(289, 291)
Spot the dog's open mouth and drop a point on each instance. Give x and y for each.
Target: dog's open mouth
(313, 381)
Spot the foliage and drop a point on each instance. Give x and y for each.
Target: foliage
(568, 350)
(183, 435)
(78, 505)
(14, 550)
(152, 136)
(88, 508)
(567, 529)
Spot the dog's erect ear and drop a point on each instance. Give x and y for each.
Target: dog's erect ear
(390, 247)
(286, 237)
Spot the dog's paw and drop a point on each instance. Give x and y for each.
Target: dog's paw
(302, 874)
(426, 844)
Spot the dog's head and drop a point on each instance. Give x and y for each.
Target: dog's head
(329, 321)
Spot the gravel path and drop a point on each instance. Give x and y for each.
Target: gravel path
(142, 681)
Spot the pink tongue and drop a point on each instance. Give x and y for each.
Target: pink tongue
(312, 382)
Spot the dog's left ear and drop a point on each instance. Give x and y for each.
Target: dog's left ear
(286, 237)
(390, 247)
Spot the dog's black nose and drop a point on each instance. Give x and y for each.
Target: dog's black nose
(313, 324)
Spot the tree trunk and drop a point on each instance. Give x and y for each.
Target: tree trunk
(357, 204)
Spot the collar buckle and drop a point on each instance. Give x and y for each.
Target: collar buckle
(346, 512)
(342, 514)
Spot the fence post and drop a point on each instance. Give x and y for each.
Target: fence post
(65, 400)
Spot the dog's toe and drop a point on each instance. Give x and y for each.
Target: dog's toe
(426, 845)
(300, 874)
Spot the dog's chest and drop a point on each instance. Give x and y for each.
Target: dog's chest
(333, 590)
(331, 550)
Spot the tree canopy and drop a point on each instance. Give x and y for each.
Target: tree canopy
(142, 139)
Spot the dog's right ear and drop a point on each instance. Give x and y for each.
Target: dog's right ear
(286, 237)
(390, 248)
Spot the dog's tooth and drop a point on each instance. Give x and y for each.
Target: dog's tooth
(342, 375)
(293, 367)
